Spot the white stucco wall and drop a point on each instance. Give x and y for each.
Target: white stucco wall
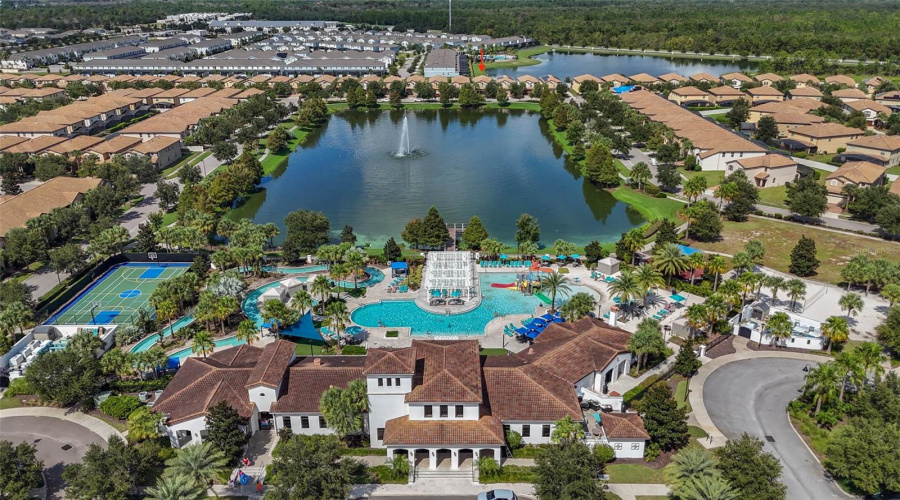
(263, 396)
(626, 448)
(417, 411)
(296, 422)
(385, 403)
(720, 160)
(536, 436)
(197, 428)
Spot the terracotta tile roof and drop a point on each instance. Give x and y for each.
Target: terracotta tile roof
(689, 91)
(585, 77)
(242, 356)
(841, 80)
(770, 161)
(764, 91)
(155, 145)
(644, 78)
(623, 426)
(858, 172)
(672, 77)
(792, 106)
(805, 92)
(115, 145)
(822, 130)
(880, 142)
(895, 187)
(849, 94)
(402, 431)
(726, 90)
(450, 372)
(385, 361)
(36, 145)
(573, 350)
(864, 104)
(528, 392)
(737, 76)
(8, 141)
(805, 78)
(762, 175)
(201, 384)
(15, 211)
(699, 77)
(797, 118)
(272, 363)
(79, 143)
(307, 380)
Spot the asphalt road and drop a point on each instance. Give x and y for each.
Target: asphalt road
(50, 435)
(752, 396)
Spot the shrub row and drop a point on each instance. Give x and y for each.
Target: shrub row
(140, 385)
(120, 406)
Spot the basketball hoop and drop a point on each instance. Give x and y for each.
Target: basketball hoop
(152, 255)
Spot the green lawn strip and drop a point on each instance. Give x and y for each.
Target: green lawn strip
(650, 207)
(681, 394)
(172, 171)
(894, 170)
(364, 452)
(273, 161)
(816, 437)
(307, 350)
(622, 168)
(494, 351)
(383, 473)
(634, 474)
(169, 218)
(7, 403)
(528, 451)
(713, 177)
(511, 474)
(696, 432)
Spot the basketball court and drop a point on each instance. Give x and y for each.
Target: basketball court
(116, 297)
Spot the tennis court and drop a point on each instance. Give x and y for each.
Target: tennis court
(116, 297)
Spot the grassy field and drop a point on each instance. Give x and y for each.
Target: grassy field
(651, 208)
(681, 394)
(634, 474)
(833, 249)
(713, 178)
(775, 196)
(273, 161)
(524, 59)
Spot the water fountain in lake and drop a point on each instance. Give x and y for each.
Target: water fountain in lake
(403, 148)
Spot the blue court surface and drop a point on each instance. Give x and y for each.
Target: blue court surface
(116, 296)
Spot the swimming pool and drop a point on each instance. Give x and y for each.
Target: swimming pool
(375, 275)
(150, 341)
(226, 342)
(502, 301)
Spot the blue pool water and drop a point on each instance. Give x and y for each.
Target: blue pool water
(150, 341)
(226, 342)
(503, 301)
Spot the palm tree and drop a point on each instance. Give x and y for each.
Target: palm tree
(528, 248)
(641, 174)
(338, 273)
(203, 343)
(731, 292)
(796, 289)
(779, 326)
(716, 307)
(690, 464)
(695, 261)
(321, 287)
(223, 308)
(343, 408)
(696, 316)
(176, 487)
(337, 317)
(775, 284)
(247, 331)
(823, 380)
(870, 356)
(144, 424)
(555, 283)
(850, 302)
(648, 277)
(356, 261)
(716, 265)
(848, 364)
(201, 462)
(634, 241)
(117, 362)
(670, 260)
(713, 487)
(18, 315)
(567, 431)
(276, 313)
(302, 301)
(891, 293)
(835, 329)
(727, 192)
(578, 306)
(165, 312)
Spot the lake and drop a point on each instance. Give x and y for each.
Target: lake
(572, 64)
(491, 163)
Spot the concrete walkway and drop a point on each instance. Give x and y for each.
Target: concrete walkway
(632, 491)
(433, 487)
(717, 438)
(93, 424)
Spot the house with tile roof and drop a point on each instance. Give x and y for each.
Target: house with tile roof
(805, 80)
(805, 93)
(690, 96)
(766, 171)
(437, 402)
(886, 148)
(840, 80)
(854, 173)
(764, 94)
(17, 210)
(823, 138)
(848, 95)
(875, 113)
(736, 80)
(768, 79)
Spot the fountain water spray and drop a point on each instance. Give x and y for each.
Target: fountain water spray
(403, 148)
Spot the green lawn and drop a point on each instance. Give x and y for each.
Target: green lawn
(713, 178)
(775, 196)
(171, 171)
(494, 351)
(511, 474)
(634, 474)
(894, 170)
(169, 218)
(820, 158)
(696, 432)
(650, 207)
(13, 402)
(681, 394)
(523, 59)
(273, 161)
(307, 350)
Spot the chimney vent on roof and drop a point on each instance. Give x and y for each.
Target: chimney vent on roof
(531, 350)
(317, 361)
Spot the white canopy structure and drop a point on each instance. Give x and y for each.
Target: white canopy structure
(450, 275)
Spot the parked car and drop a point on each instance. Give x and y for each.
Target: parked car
(498, 495)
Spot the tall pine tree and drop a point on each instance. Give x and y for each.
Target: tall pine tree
(803, 257)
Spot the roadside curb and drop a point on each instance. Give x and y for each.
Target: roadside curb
(811, 452)
(93, 424)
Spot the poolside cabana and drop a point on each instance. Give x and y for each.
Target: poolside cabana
(277, 292)
(449, 275)
(399, 269)
(608, 266)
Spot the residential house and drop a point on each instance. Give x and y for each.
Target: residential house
(890, 99)
(764, 94)
(805, 93)
(844, 80)
(768, 79)
(805, 80)
(105, 150)
(705, 78)
(58, 192)
(736, 80)
(876, 114)
(36, 145)
(529, 82)
(438, 402)
(851, 94)
(726, 95)
(644, 79)
(873, 83)
(691, 96)
(806, 333)
(551, 81)
(162, 150)
(824, 138)
(882, 149)
(673, 78)
(766, 171)
(81, 143)
(578, 80)
(856, 173)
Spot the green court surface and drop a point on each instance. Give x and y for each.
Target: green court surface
(116, 297)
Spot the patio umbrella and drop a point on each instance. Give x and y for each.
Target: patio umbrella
(545, 257)
(576, 256)
(503, 256)
(561, 257)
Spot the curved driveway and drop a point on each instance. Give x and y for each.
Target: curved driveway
(59, 443)
(752, 396)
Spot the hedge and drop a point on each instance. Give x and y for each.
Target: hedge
(392, 334)
(120, 406)
(126, 386)
(639, 390)
(701, 290)
(18, 387)
(354, 350)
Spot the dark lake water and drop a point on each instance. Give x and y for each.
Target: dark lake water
(573, 64)
(490, 163)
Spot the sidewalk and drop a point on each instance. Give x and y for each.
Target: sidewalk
(627, 382)
(93, 424)
(742, 352)
(632, 491)
(431, 487)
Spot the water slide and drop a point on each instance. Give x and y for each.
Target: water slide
(543, 297)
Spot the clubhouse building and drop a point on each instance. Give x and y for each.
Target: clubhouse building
(438, 402)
